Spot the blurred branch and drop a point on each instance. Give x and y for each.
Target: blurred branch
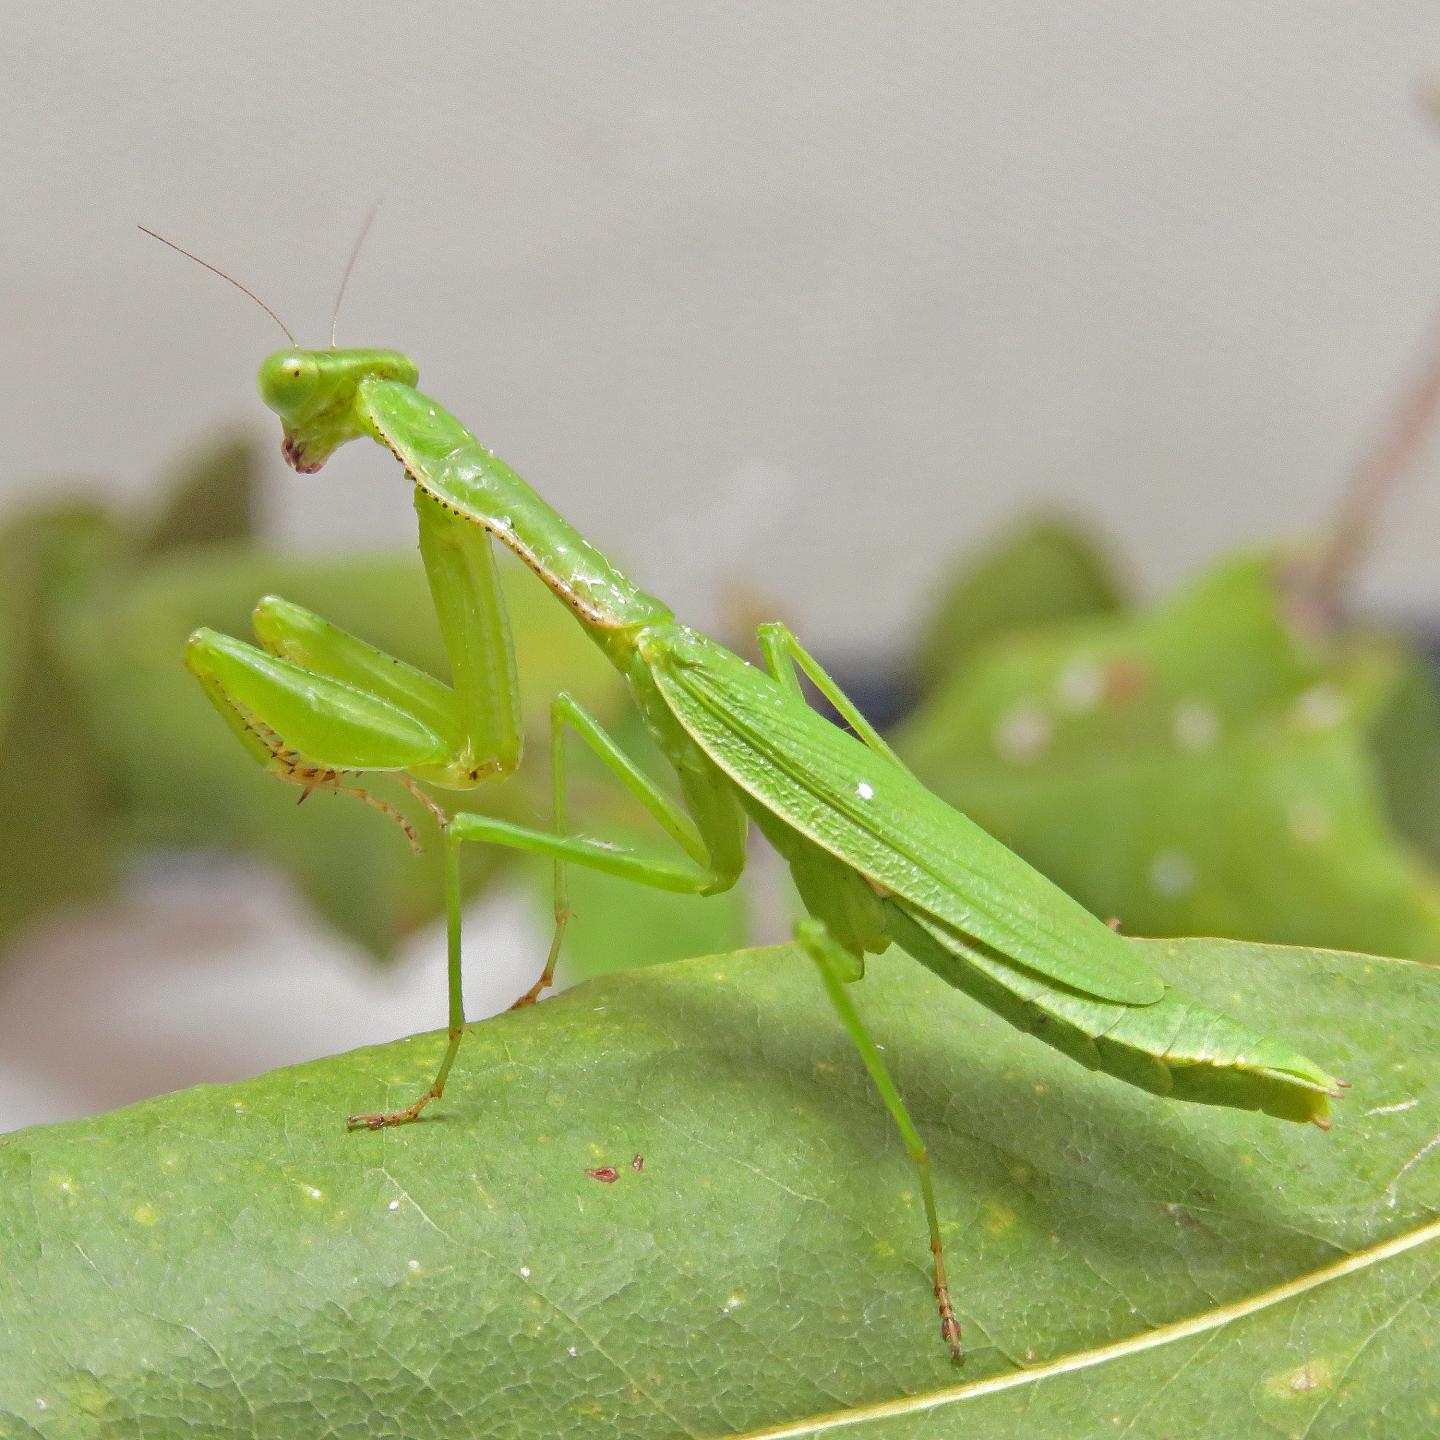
(1373, 481)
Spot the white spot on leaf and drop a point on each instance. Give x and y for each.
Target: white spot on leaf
(1321, 707)
(1081, 685)
(1022, 733)
(1172, 874)
(1196, 725)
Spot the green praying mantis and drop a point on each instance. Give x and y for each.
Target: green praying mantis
(876, 858)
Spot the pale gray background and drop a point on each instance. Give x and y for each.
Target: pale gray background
(797, 295)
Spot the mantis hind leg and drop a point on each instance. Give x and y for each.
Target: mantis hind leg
(784, 655)
(835, 966)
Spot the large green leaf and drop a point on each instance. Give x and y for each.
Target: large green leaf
(230, 1262)
(1204, 767)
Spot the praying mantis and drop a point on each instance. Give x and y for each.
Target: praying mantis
(876, 858)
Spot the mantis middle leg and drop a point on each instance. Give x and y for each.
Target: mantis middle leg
(705, 874)
(712, 844)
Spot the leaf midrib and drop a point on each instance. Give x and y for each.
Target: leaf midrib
(1100, 1355)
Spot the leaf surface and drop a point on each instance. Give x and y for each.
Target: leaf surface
(228, 1261)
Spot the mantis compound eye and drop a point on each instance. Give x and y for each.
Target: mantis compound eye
(288, 380)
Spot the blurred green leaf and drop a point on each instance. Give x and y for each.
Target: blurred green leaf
(57, 843)
(1048, 568)
(1203, 767)
(228, 1261)
(57, 563)
(213, 497)
(108, 741)
(1406, 741)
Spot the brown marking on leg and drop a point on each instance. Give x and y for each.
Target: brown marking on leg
(563, 915)
(949, 1325)
(384, 1118)
(287, 765)
(423, 796)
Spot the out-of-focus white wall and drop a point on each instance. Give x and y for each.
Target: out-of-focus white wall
(799, 295)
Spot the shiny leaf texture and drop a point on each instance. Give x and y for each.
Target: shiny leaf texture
(668, 1203)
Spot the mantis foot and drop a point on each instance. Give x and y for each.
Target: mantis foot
(385, 1118)
(949, 1325)
(390, 1117)
(950, 1332)
(563, 915)
(530, 997)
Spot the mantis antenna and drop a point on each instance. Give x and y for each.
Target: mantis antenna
(215, 270)
(349, 266)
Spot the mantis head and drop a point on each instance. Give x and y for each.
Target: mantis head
(314, 394)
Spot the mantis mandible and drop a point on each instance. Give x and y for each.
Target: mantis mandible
(875, 856)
